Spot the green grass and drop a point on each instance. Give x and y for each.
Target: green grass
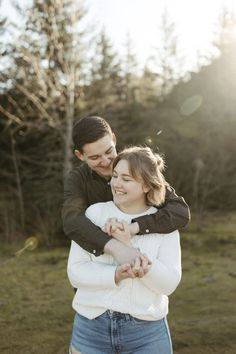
(35, 296)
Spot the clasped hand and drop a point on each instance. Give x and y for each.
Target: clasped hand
(120, 230)
(136, 267)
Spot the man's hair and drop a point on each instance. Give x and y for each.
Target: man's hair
(88, 130)
(146, 167)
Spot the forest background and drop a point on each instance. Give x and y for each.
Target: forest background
(57, 71)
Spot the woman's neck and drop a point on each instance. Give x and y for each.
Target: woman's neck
(133, 209)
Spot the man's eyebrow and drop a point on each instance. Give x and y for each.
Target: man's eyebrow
(111, 147)
(89, 156)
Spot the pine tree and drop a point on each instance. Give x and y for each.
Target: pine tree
(41, 101)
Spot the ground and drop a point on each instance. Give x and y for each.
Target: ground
(35, 295)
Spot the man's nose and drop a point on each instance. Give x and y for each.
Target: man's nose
(105, 161)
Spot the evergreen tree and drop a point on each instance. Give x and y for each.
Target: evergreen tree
(40, 103)
(105, 84)
(168, 62)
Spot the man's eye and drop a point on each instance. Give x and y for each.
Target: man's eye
(94, 158)
(114, 176)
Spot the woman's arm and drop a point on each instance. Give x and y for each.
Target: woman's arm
(165, 272)
(83, 271)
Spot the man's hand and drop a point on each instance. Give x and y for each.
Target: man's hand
(121, 230)
(134, 228)
(111, 226)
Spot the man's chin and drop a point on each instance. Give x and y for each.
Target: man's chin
(105, 172)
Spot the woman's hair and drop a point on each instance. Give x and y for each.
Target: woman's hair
(146, 166)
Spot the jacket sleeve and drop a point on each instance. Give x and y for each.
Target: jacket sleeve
(173, 215)
(84, 272)
(165, 273)
(75, 224)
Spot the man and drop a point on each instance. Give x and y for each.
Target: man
(95, 145)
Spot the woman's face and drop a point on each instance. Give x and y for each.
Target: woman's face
(128, 193)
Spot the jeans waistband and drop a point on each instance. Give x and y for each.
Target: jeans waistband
(116, 314)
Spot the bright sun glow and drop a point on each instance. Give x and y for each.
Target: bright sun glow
(195, 22)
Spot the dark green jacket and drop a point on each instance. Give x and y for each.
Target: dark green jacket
(84, 187)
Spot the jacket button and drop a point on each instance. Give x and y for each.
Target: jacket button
(147, 230)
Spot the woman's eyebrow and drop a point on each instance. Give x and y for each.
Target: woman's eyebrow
(123, 174)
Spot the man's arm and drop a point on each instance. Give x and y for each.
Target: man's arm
(76, 226)
(173, 215)
(80, 229)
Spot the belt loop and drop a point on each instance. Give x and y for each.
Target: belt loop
(127, 317)
(110, 313)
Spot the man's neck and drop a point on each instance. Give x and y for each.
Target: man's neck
(107, 178)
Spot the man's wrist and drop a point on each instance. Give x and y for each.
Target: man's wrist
(111, 246)
(134, 228)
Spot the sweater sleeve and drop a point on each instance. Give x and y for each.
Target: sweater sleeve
(165, 273)
(84, 272)
(173, 215)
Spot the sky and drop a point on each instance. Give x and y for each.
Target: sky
(195, 22)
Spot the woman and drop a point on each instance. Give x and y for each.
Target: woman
(117, 312)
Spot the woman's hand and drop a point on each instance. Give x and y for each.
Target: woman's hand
(141, 266)
(123, 271)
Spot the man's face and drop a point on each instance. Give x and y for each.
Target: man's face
(100, 155)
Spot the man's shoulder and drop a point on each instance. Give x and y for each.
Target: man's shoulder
(80, 171)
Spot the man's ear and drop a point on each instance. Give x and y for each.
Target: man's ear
(79, 155)
(114, 138)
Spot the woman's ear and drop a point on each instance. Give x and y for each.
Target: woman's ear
(146, 189)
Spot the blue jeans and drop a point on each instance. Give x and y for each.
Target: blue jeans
(115, 332)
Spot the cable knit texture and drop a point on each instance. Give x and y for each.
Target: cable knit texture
(145, 298)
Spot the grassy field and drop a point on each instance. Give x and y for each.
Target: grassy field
(35, 296)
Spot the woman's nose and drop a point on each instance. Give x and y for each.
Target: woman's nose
(117, 182)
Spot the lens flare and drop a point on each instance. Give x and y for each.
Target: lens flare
(31, 243)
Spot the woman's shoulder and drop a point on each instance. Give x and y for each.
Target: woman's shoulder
(98, 207)
(99, 213)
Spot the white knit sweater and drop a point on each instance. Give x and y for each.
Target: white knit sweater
(145, 298)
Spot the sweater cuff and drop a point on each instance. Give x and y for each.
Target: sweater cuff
(107, 277)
